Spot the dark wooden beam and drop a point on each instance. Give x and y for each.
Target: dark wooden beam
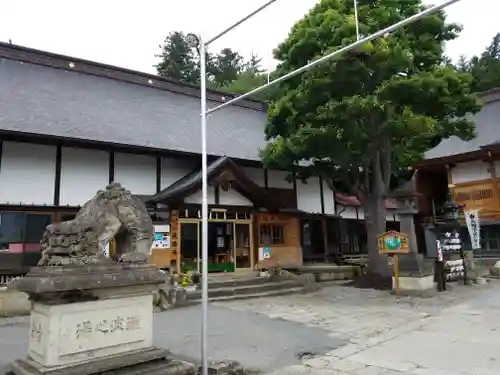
(158, 174)
(57, 176)
(217, 194)
(321, 193)
(111, 168)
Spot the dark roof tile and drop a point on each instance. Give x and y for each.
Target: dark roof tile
(55, 102)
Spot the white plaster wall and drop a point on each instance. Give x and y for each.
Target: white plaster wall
(136, 172)
(27, 173)
(350, 213)
(470, 171)
(276, 179)
(309, 195)
(233, 198)
(255, 174)
(196, 197)
(174, 169)
(390, 216)
(328, 199)
(83, 173)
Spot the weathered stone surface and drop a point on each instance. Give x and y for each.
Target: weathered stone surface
(495, 270)
(150, 361)
(14, 303)
(223, 368)
(67, 334)
(112, 213)
(422, 286)
(414, 265)
(70, 282)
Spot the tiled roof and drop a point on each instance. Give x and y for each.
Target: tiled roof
(487, 127)
(42, 100)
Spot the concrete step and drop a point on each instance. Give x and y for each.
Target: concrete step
(237, 282)
(245, 289)
(270, 293)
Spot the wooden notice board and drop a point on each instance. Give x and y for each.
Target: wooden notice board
(393, 242)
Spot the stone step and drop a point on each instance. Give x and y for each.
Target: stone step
(271, 293)
(237, 282)
(245, 289)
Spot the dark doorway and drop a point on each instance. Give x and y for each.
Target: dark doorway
(189, 245)
(312, 240)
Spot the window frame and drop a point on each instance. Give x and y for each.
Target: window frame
(25, 220)
(272, 225)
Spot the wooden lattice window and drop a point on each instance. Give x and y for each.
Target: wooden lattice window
(272, 234)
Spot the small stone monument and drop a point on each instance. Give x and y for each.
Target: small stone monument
(90, 314)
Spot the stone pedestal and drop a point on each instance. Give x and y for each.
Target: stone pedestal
(94, 319)
(416, 275)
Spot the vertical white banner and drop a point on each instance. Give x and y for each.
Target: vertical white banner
(472, 222)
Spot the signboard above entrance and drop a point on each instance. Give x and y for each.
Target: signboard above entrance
(393, 242)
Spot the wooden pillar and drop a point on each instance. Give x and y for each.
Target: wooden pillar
(450, 180)
(252, 242)
(325, 237)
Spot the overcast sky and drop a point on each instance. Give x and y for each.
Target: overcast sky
(127, 32)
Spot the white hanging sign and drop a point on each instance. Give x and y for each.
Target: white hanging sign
(472, 221)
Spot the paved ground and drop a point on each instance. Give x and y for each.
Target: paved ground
(258, 342)
(348, 331)
(453, 334)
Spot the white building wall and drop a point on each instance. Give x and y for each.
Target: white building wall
(27, 173)
(137, 173)
(83, 173)
(470, 171)
(350, 213)
(173, 170)
(276, 179)
(309, 195)
(233, 198)
(196, 197)
(328, 199)
(255, 174)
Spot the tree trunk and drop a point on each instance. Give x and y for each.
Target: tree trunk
(375, 213)
(376, 186)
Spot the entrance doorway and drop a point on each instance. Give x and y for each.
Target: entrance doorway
(230, 245)
(312, 238)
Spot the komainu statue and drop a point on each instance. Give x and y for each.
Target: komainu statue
(112, 213)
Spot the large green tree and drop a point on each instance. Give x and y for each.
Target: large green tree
(180, 61)
(177, 59)
(485, 69)
(228, 65)
(362, 116)
(250, 77)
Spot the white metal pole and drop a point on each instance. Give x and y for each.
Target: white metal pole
(338, 52)
(204, 211)
(236, 24)
(204, 184)
(356, 18)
